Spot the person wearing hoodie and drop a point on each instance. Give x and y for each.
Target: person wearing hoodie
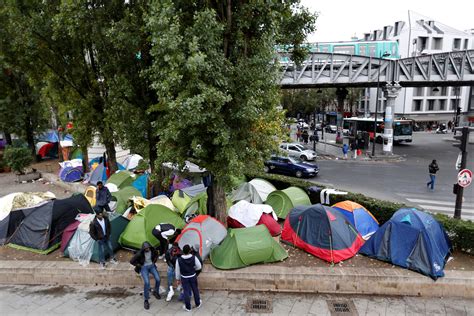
(171, 256)
(145, 261)
(186, 270)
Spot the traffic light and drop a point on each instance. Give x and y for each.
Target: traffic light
(463, 139)
(458, 111)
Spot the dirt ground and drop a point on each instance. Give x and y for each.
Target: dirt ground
(9, 185)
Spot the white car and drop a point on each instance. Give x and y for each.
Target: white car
(297, 150)
(302, 124)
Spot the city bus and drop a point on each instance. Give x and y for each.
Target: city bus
(402, 128)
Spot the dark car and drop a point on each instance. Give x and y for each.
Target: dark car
(291, 166)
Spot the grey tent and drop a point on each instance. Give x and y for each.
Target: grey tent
(194, 190)
(255, 191)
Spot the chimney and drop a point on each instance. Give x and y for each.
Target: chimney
(431, 23)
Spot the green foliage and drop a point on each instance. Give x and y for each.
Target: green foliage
(460, 232)
(306, 101)
(214, 74)
(18, 158)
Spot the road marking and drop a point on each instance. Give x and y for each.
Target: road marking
(438, 202)
(446, 209)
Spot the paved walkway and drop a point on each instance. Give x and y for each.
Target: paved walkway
(47, 300)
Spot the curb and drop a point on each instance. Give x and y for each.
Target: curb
(258, 278)
(54, 179)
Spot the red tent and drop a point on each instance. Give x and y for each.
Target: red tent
(68, 233)
(266, 219)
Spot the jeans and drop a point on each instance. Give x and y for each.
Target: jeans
(105, 245)
(190, 284)
(171, 276)
(432, 182)
(145, 272)
(163, 244)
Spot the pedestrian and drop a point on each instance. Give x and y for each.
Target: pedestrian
(163, 232)
(354, 147)
(298, 134)
(345, 150)
(186, 268)
(102, 198)
(171, 256)
(145, 262)
(100, 230)
(305, 136)
(450, 125)
(432, 168)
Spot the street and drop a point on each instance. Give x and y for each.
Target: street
(64, 300)
(405, 181)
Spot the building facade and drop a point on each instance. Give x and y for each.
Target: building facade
(425, 105)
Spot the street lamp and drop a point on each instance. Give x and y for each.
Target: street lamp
(386, 54)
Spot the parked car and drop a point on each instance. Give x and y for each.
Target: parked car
(291, 166)
(331, 129)
(299, 151)
(302, 124)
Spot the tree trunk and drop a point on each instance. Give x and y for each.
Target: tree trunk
(111, 157)
(216, 201)
(8, 138)
(85, 159)
(30, 138)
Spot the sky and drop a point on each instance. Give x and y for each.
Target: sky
(340, 20)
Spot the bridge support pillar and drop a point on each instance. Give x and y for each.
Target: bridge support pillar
(341, 94)
(391, 91)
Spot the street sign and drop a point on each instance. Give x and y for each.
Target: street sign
(464, 178)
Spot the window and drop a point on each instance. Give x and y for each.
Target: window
(457, 44)
(344, 49)
(466, 43)
(372, 49)
(293, 148)
(417, 105)
(420, 91)
(362, 50)
(456, 91)
(431, 105)
(442, 105)
(422, 43)
(454, 102)
(437, 43)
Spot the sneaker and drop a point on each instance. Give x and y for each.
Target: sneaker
(158, 296)
(114, 261)
(146, 304)
(102, 265)
(184, 307)
(200, 304)
(170, 295)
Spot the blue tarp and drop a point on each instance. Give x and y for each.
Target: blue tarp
(141, 184)
(411, 239)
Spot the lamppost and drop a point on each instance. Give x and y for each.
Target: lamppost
(457, 109)
(386, 54)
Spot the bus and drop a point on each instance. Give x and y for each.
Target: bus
(402, 128)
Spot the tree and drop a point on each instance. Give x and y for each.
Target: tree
(306, 101)
(353, 97)
(216, 77)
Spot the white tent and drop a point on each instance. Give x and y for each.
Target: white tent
(131, 161)
(256, 191)
(249, 214)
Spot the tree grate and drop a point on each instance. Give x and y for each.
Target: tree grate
(342, 308)
(258, 305)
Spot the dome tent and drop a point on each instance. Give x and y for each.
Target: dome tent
(122, 196)
(255, 191)
(365, 223)
(283, 201)
(245, 214)
(120, 180)
(246, 246)
(321, 231)
(411, 239)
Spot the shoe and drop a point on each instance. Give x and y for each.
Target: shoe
(200, 304)
(161, 257)
(158, 296)
(184, 307)
(170, 294)
(146, 304)
(114, 261)
(102, 265)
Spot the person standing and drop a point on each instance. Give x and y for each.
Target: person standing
(354, 146)
(345, 150)
(298, 134)
(99, 230)
(102, 198)
(432, 168)
(145, 261)
(163, 232)
(171, 256)
(187, 267)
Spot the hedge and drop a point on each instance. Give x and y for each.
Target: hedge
(460, 232)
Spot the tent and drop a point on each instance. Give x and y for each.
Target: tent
(22, 200)
(283, 201)
(255, 191)
(163, 200)
(120, 180)
(131, 161)
(365, 223)
(71, 174)
(140, 227)
(246, 246)
(203, 233)
(82, 247)
(196, 206)
(141, 184)
(44, 149)
(39, 228)
(321, 231)
(98, 174)
(180, 200)
(122, 196)
(246, 214)
(76, 153)
(411, 239)
(90, 194)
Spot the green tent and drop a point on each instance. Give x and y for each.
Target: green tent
(122, 179)
(117, 226)
(246, 246)
(283, 201)
(122, 196)
(180, 200)
(197, 205)
(140, 227)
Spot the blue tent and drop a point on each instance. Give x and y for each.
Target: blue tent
(411, 239)
(141, 184)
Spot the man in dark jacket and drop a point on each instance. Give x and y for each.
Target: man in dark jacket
(102, 198)
(145, 260)
(99, 230)
(186, 271)
(164, 233)
(171, 256)
(432, 168)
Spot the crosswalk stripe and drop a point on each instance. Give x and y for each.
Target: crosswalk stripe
(438, 202)
(445, 209)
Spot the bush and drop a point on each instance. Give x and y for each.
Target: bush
(17, 158)
(460, 232)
